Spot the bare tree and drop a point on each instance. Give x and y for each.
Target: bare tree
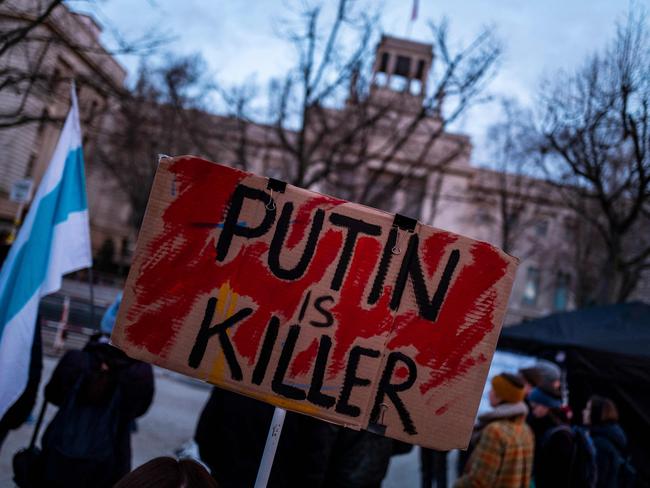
(166, 113)
(33, 35)
(509, 185)
(582, 256)
(457, 81)
(10, 37)
(596, 137)
(333, 130)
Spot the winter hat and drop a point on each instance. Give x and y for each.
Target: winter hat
(544, 397)
(508, 388)
(542, 373)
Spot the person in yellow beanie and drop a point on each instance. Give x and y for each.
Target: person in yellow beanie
(503, 444)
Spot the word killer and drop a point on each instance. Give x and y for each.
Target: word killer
(385, 388)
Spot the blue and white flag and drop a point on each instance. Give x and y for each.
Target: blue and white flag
(54, 240)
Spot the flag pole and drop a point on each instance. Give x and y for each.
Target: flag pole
(92, 297)
(272, 440)
(91, 284)
(56, 232)
(414, 16)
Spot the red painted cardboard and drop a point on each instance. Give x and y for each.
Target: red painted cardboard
(314, 304)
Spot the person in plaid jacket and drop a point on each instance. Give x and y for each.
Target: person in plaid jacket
(502, 455)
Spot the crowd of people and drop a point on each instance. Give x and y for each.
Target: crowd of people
(526, 439)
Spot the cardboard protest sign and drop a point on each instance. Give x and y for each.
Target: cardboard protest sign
(314, 304)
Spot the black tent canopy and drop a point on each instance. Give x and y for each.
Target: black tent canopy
(606, 351)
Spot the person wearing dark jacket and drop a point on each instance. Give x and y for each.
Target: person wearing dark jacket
(358, 459)
(231, 434)
(79, 373)
(544, 374)
(601, 415)
(553, 439)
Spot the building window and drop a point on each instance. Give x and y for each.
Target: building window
(383, 65)
(125, 251)
(570, 227)
(42, 122)
(403, 66)
(414, 189)
(30, 165)
(531, 288)
(483, 217)
(541, 228)
(419, 74)
(512, 220)
(561, 295)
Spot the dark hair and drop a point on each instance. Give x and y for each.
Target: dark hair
(602, 410)
(531, 375)
(514, 379)
(167, 472)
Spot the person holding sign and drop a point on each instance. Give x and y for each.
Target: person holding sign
(362, 318)
(503, 455)
(231, 432)
(232, 428)
(315, 305)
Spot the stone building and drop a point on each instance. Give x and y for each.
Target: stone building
(35, 77)
(441, 187)
(523, 215)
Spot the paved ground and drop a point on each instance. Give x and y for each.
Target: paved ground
(170, 422)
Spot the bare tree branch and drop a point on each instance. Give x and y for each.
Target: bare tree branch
(594, 128)
(13, 37)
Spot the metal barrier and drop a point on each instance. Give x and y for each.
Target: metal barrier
(57, 338)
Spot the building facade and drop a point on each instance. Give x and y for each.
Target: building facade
(437, 184)
(36, 74)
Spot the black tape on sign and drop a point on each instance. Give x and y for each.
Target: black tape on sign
(276, 185)
(405, 223)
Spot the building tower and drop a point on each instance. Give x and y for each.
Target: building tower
(401, 70)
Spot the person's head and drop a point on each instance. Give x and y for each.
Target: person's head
(167, 472)
(599, 410)
(543, 401)
(543, 373)
(506, 388)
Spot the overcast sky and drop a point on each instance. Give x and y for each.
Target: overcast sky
(238, 37)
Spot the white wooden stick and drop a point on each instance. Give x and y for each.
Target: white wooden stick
(269, 449)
